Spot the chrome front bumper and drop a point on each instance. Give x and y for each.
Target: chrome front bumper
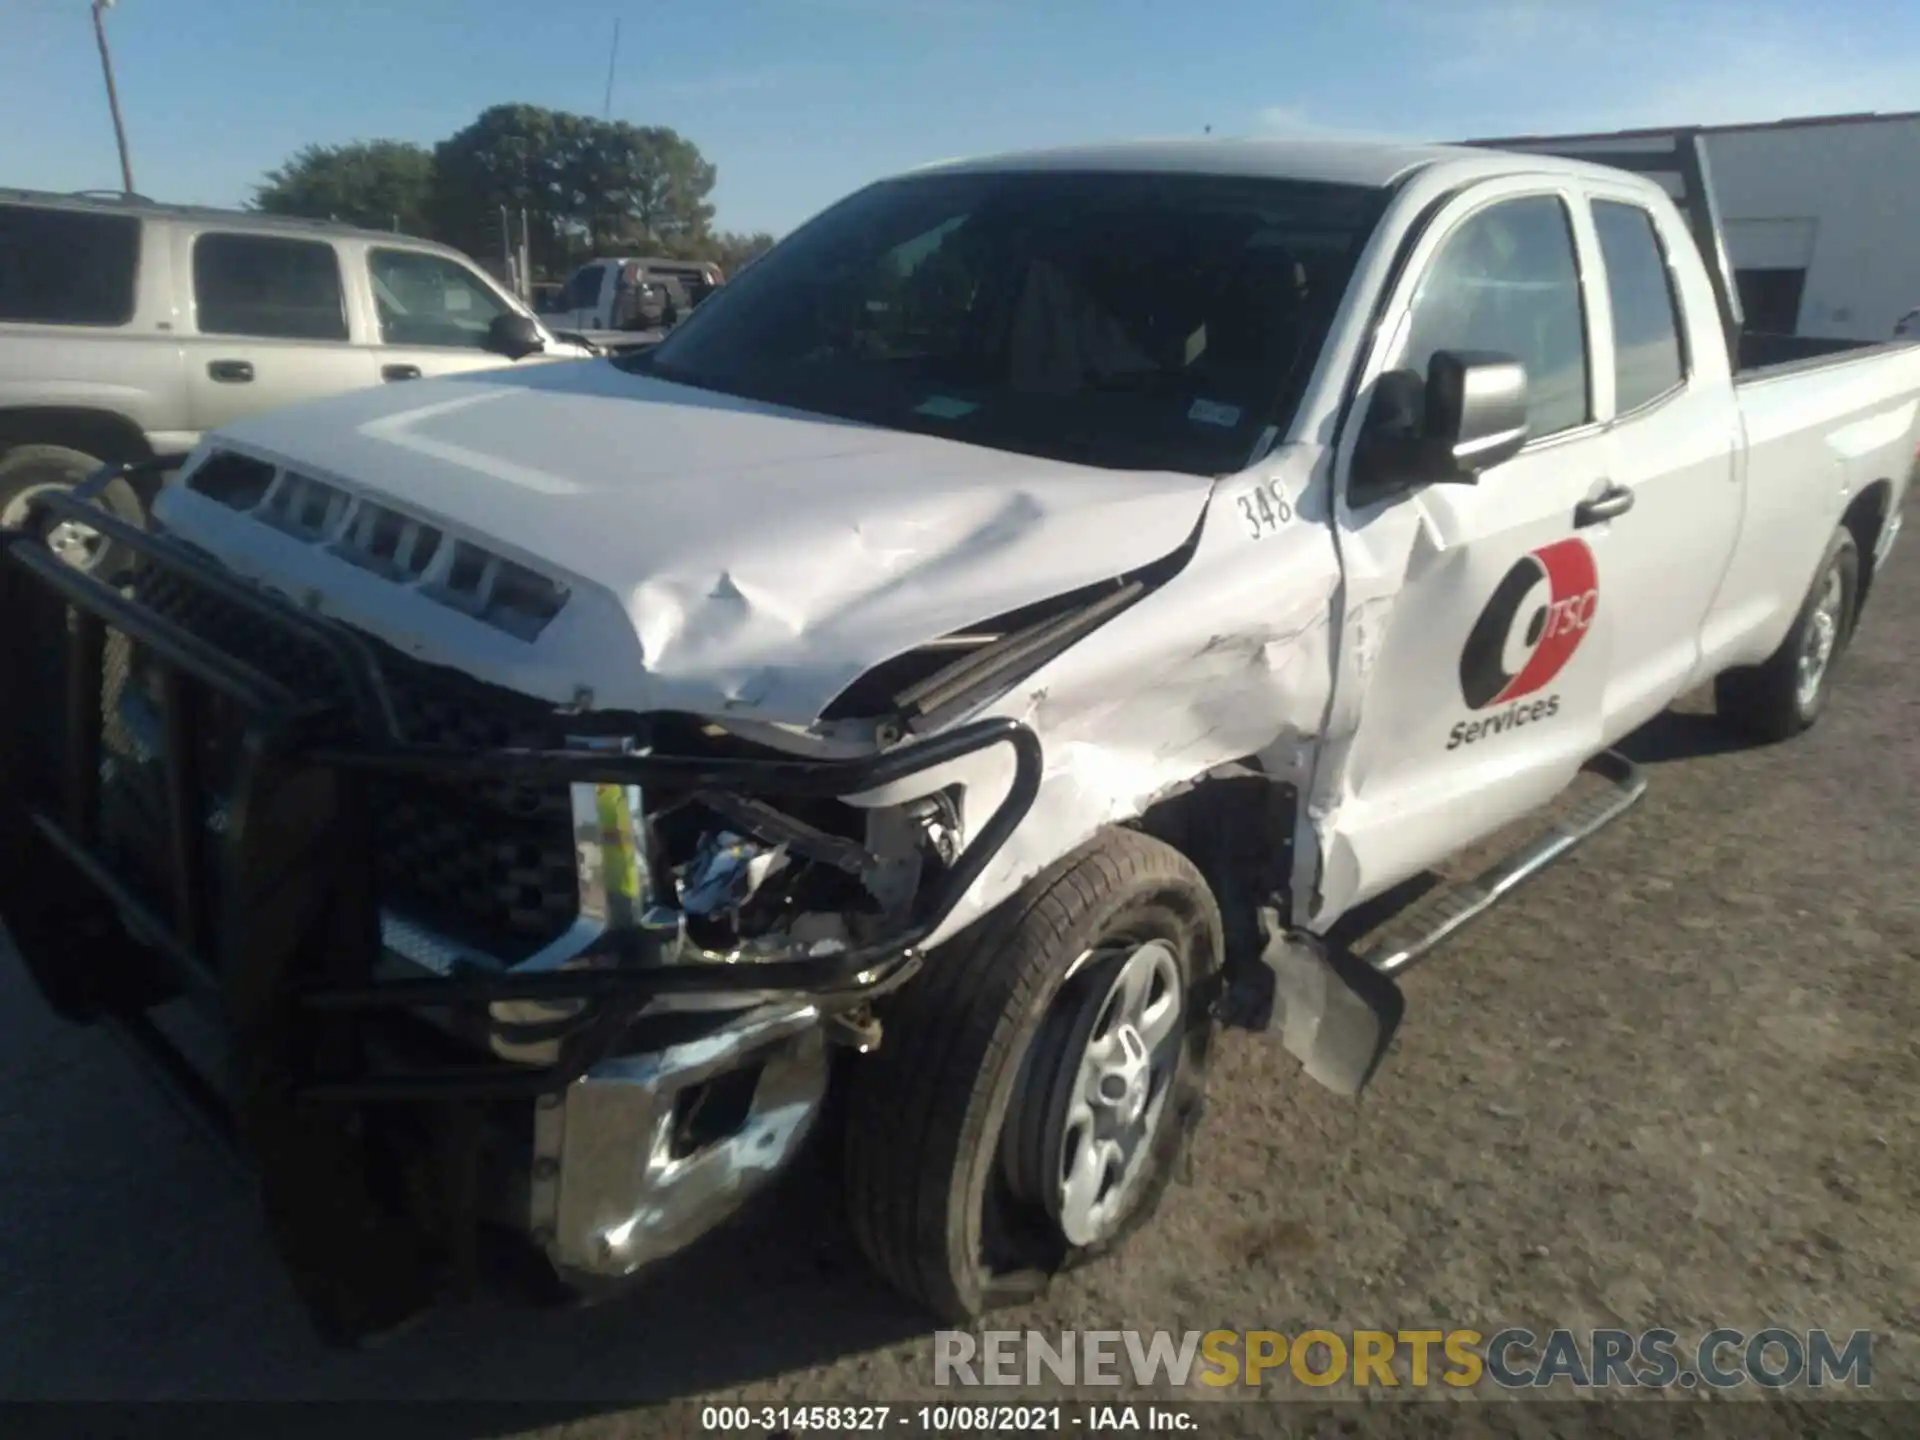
(614, 1181)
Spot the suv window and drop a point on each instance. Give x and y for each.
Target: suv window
(1507, 280)
(269, 286)
(67, 267)
(1646, 332)
(430, 300)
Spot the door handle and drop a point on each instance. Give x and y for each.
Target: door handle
(1609, 504)
(231, 372)
(399, 372)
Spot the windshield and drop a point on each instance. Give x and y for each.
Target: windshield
(1131, 321)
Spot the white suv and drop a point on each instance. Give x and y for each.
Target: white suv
(127, 328)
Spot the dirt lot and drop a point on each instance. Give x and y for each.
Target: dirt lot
(1673, 1084)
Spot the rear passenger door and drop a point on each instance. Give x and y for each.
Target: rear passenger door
(269, 325)
(1671, 454)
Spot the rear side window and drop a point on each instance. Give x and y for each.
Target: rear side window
(1507, 280)
(583, 290)
(1646, 332)
(67, 267)
(268, 286)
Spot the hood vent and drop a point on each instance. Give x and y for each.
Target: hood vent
(375, 537)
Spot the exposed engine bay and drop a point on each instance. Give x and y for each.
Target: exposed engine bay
(757, 879)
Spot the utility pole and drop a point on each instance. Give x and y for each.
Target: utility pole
(606, 109)
(113, 95)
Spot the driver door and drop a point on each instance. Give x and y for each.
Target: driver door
(1474, 646)
(432, 314)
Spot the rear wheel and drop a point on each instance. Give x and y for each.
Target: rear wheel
(1785, 694)
(1035, 1089)
(30, 471)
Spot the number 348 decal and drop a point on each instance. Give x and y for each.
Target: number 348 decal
(1265, 509)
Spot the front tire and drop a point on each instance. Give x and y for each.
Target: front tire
(1036, 1086)
(27, 471)
(1785, 694)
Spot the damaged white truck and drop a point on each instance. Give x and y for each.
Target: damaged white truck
(992, 643)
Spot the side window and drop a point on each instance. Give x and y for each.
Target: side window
(1646, 332)
(430, 300)
(583, 290)
(67, 267)
(1507, 280)
(269, 286)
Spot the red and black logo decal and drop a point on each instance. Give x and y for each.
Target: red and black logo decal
(1537, 617)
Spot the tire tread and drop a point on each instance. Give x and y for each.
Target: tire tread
(918, 1110)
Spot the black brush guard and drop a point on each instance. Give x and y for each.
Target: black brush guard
(272, 922)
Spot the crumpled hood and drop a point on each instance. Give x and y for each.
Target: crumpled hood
(722, 555)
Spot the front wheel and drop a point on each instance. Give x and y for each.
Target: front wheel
(1785, 694)
(30, 471)
(1035, 1088)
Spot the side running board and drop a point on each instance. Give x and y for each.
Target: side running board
(1412, 935)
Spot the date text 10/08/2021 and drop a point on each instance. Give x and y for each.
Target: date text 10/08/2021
(1085, 1419)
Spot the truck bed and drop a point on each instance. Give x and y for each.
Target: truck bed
(1763, 356)
(1677, 160)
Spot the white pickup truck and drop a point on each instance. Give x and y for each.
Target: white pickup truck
(997, 640)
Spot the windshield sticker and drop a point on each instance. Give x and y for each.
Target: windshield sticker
(1212, 412)
(944, 407)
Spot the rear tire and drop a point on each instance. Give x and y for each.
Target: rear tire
(28, 470)
(959, 1126)
(1785, 694)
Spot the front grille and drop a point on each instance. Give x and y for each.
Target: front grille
(491, 865)
(376, 537)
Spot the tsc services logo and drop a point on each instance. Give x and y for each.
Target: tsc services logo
(1532, 624)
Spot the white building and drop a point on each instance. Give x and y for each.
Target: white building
(1821, 217)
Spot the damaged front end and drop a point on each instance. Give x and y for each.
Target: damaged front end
(485, 971)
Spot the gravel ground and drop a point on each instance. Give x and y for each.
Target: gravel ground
(1671, 1084)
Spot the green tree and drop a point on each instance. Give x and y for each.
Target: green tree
(655, 180)
(376, 183)
(512, 155)
(587, 185)
(730, 249)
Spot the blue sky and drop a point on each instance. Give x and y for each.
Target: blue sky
(799, 101)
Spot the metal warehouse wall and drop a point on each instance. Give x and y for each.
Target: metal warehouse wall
(1839, 199)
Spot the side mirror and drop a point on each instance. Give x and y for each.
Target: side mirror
(1468, 415)
(1477, 408)
(514, 335)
